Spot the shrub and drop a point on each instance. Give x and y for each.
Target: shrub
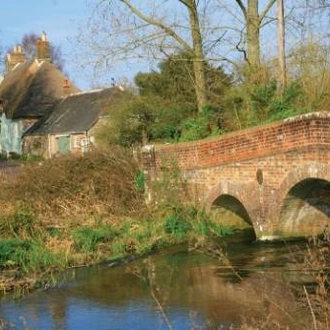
(102, 182)
(177, 224)
(86, 238)
(22, 222)
(27, 255)
(140, 181)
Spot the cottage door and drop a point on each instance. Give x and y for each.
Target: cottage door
(63, 144)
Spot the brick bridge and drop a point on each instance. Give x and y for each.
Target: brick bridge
(275, 177)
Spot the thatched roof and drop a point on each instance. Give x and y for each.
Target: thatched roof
(75, 113)
(31, 88)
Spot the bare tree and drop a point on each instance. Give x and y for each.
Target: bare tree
(28, 43)
(197, 52)
(254, 20)
(149, 30)
(281, 46)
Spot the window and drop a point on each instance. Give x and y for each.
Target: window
(76, 143)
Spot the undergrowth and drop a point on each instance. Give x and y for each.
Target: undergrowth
(74, 211)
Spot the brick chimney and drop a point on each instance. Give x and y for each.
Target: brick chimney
(16, 56)
(43, 48)
(66, 87)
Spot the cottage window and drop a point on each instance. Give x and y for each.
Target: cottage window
(76, 142)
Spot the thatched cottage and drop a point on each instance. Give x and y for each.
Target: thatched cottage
(42, 111)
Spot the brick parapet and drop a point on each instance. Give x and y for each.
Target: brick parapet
(310, 130)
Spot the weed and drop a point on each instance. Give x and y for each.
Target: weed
(21, 223)
(117, 248)
(26, 255)
(177, 224)
(65, 185)
(209, 228)
(87, 238)
(140, 181)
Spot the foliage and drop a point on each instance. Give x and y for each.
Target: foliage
(177, 225)
(87, 238)
(205, 123)
(309, 67)
(167, 124)
(174, 82)
(140, 181)
(185, 221)
(131, 118)
(66, 185)
(27, 255)
(23, 222)
(249, 105)
(206, 227)
(164, 108)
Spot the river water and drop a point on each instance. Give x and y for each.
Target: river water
(212, 288)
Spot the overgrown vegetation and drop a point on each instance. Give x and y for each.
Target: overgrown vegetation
(73, 211)
(163, 108)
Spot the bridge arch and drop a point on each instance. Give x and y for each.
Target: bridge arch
(229, 202)
(258, 168)
(303, 201)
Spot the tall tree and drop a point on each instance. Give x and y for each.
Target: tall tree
(281, 46)
(144, 31)
(197, 53)
(253, 23)
(172, 82)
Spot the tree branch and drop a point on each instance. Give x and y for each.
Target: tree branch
(267, 9)
(158, 24)
(241, 5)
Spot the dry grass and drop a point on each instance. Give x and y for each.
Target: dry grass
(99, 184)
(44, 204)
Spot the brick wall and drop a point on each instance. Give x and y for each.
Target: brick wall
(256, 166)
(294, 133)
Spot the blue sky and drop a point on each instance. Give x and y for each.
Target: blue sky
(58, 18)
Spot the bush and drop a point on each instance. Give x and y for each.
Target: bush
(99, 183)
(27, 255)
(86, 238)
(204, 124)
(177, 223)
(208, 228)
(22, 222)
(140, 181)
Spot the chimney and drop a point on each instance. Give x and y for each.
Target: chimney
(43, 48)
(16, 56)
(66, 87)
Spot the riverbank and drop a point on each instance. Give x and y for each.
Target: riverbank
(73, 212)
(39, 255)
(35, 256)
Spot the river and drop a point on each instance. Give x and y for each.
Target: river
(213, 288)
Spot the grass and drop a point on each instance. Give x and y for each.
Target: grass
(65, 218)
(87, 210)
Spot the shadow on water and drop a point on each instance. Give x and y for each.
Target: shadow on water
(207, 288)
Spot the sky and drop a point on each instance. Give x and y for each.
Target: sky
(60, 19)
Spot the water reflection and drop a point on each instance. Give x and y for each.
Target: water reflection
(193, 290)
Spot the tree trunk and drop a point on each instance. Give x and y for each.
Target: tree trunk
(253, 34)
(253, 21)
(198, 56)
(196, 50)
(281, 46)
